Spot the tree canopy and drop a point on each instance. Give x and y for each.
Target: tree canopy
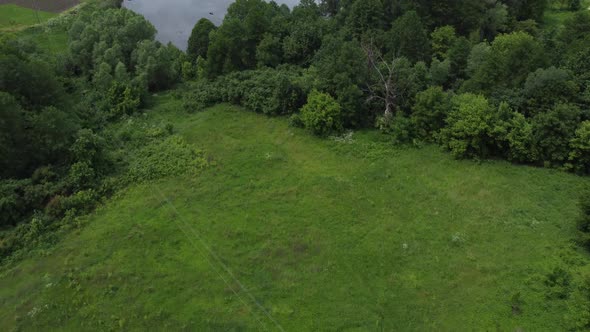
(198, 43)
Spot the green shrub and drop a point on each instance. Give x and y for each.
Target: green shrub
(272, 92)
(55, 207)
(159, 64)
(189, 71)
(156, 132)
(354, 107)
(81, 202)
(260, 99)
(109, 186)
(577, 317)
(579, 157)
(443, 39)
(553, 132)
(400, 127)
(268, 91)
(12, 136)
(231, 87)
(469, 130)
(169, 128)
(516, 303)
(51, 133)
(506, 64)
(137, 134)
(44, 174)
(322, 114)
(122, 100)
(20, 198)
(584, 220)
(201, 95)
(574, 5)
(520, 140)
(558, 283)
(81, 175)
(440, 72)
(12, 205)
(295, 121)
(34, 231)
(35, 195)
(170, 157)
(546, 87)
(429, 111)
(89, 148)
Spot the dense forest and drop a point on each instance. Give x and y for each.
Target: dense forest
(482, 79)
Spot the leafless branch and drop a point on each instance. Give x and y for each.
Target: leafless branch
(387, 85)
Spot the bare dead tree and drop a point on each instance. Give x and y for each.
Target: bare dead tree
(384, 88)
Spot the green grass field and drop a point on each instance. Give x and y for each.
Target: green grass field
(22, 21)
(13, 17)
(54, 41)
(351, 235)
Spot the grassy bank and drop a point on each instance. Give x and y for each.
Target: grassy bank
(346, 234)
(33, 26)
(55, 6)
(14, 18)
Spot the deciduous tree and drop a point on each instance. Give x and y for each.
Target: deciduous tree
(198, 42)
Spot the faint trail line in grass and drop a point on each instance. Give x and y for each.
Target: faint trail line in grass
(220, 262)
(210, 253)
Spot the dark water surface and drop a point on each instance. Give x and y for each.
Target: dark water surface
(175, 19)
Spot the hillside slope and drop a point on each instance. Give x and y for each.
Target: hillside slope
(13, 17)
(55, 6)
(347, 234)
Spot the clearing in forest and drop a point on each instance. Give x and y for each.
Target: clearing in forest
(348, 233)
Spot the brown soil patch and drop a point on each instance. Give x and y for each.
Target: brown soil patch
(55, 6)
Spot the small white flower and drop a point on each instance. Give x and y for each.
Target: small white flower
(458, 238)
(344, 138)
(405, 246)
(33, 312)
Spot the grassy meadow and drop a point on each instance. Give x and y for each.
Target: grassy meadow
(23, 22)
(13, 17)
(343, 234)
(54, 6)
(54, 41)
(286, 231)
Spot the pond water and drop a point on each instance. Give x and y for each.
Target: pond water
(175, 19)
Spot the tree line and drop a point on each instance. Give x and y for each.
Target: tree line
(481, 78)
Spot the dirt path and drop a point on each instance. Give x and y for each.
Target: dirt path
(55, 6)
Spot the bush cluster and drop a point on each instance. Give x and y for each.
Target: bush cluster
(172, 156)
(267, 91)
(322, 114)
(584, 219)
